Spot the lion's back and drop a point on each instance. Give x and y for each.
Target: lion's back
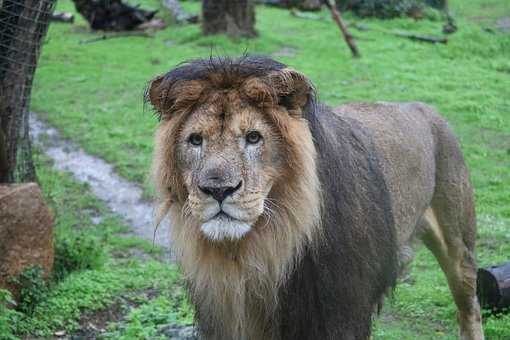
(403, 136)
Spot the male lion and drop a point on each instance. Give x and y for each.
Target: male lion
(289, 219)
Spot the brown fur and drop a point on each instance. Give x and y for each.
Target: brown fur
(348, 191)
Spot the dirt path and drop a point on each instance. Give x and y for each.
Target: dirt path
(120, 195)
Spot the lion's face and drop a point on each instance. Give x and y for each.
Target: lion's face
(233, 151)
(229, 156)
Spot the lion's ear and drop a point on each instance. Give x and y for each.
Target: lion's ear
(154, 94)
(292, 89)
(170, 96)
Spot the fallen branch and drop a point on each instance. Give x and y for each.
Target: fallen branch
(179, 15)
(419, 37)
(331, 4)
(117, 35)
(408, 35)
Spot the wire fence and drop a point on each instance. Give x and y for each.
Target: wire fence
(23, 26)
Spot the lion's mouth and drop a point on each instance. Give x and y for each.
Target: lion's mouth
(223, 214)
(223, 227)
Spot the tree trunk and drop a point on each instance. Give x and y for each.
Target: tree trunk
(234, 18)
(23, 25)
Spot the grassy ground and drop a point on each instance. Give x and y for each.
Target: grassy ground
(124, 286)
(93, 93)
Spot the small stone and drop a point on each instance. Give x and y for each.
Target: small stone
(60, 333)
(177, 332)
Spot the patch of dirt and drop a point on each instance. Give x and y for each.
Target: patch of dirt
(93, 324)
(144, 256)
(491, 24)
(503, 24)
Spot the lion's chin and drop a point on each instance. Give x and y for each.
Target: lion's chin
(225, 228)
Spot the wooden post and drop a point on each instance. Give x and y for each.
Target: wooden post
(493, 287)
(349, 39)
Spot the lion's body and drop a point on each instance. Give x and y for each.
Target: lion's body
(431, 195)
(345, 193)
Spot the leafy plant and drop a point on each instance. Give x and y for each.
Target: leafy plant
(146, 321)
(8, 316)
(32, 287)
(78, 251)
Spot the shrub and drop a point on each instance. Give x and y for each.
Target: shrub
(77, 251)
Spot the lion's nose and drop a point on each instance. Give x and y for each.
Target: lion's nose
(220, 193)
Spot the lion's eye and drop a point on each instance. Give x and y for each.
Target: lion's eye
(195, 139)
(253, 137)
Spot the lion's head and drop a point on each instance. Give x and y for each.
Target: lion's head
(235, 168)
(228, 141)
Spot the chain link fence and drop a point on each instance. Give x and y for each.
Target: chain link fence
(23, 26)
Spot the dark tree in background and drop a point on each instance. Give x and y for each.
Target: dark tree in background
(234, 18)
(23, 25)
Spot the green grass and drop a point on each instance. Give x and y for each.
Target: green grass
(93, 94)
(118, 275)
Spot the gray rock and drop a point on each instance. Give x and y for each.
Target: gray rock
(176, 332)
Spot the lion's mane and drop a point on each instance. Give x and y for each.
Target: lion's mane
(320, 265)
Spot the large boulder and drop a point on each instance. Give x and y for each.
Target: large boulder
(26, 232)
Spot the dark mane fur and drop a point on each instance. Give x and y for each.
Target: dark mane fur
(339, 282)
(338, 286)
(221, 73)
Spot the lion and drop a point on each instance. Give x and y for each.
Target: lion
(291, 220)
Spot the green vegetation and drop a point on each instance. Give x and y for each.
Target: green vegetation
(33, 289)
(93, 270)
(77, 251)
(93, 93)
